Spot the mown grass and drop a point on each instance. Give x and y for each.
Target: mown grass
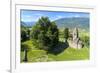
(71, 54)
(35, 55)
(66, 55)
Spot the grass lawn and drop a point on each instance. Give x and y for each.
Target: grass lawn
(35, 56)
(66, 55)
(71, 54)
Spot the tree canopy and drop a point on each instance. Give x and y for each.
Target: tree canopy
(45, 33)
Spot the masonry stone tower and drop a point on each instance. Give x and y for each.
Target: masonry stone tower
(76, 42)
(75, 34)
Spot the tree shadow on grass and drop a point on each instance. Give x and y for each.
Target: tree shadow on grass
(60, 47)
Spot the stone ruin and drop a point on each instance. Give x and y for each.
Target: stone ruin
(75, 42)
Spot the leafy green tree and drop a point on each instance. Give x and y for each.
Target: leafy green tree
(54, 34)
(44, 23)
(42, 40)
(66, 34)
(85, 40)
(24, 34)
(34, 32)
(28, 33)
(46, 33)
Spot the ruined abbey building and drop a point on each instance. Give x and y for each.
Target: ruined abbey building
(75, 41)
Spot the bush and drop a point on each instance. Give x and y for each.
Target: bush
(86, 40)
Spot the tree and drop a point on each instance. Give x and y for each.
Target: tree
(66, 34)
(85, 40)
(34, 32)
(42, 40)
(44, 23)
(24, 34)
(28, 33)
(46, 33)
(52, 34)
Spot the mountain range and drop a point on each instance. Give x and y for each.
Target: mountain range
(73, 22)
(80, 22)
(27, 24)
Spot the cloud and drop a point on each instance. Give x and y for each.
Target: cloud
(32, 17)
(38, 14)
(56, 17)
(59, 16)
(77, 15)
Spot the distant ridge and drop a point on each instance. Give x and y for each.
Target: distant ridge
(80, 22)
(27, 24)
(73, 22)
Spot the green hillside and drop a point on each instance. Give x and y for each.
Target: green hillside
(73, 22)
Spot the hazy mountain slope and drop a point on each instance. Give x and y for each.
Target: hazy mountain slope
(66, 22)
(73, 22)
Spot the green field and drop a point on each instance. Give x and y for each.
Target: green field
(71, 54)
(66, 55)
